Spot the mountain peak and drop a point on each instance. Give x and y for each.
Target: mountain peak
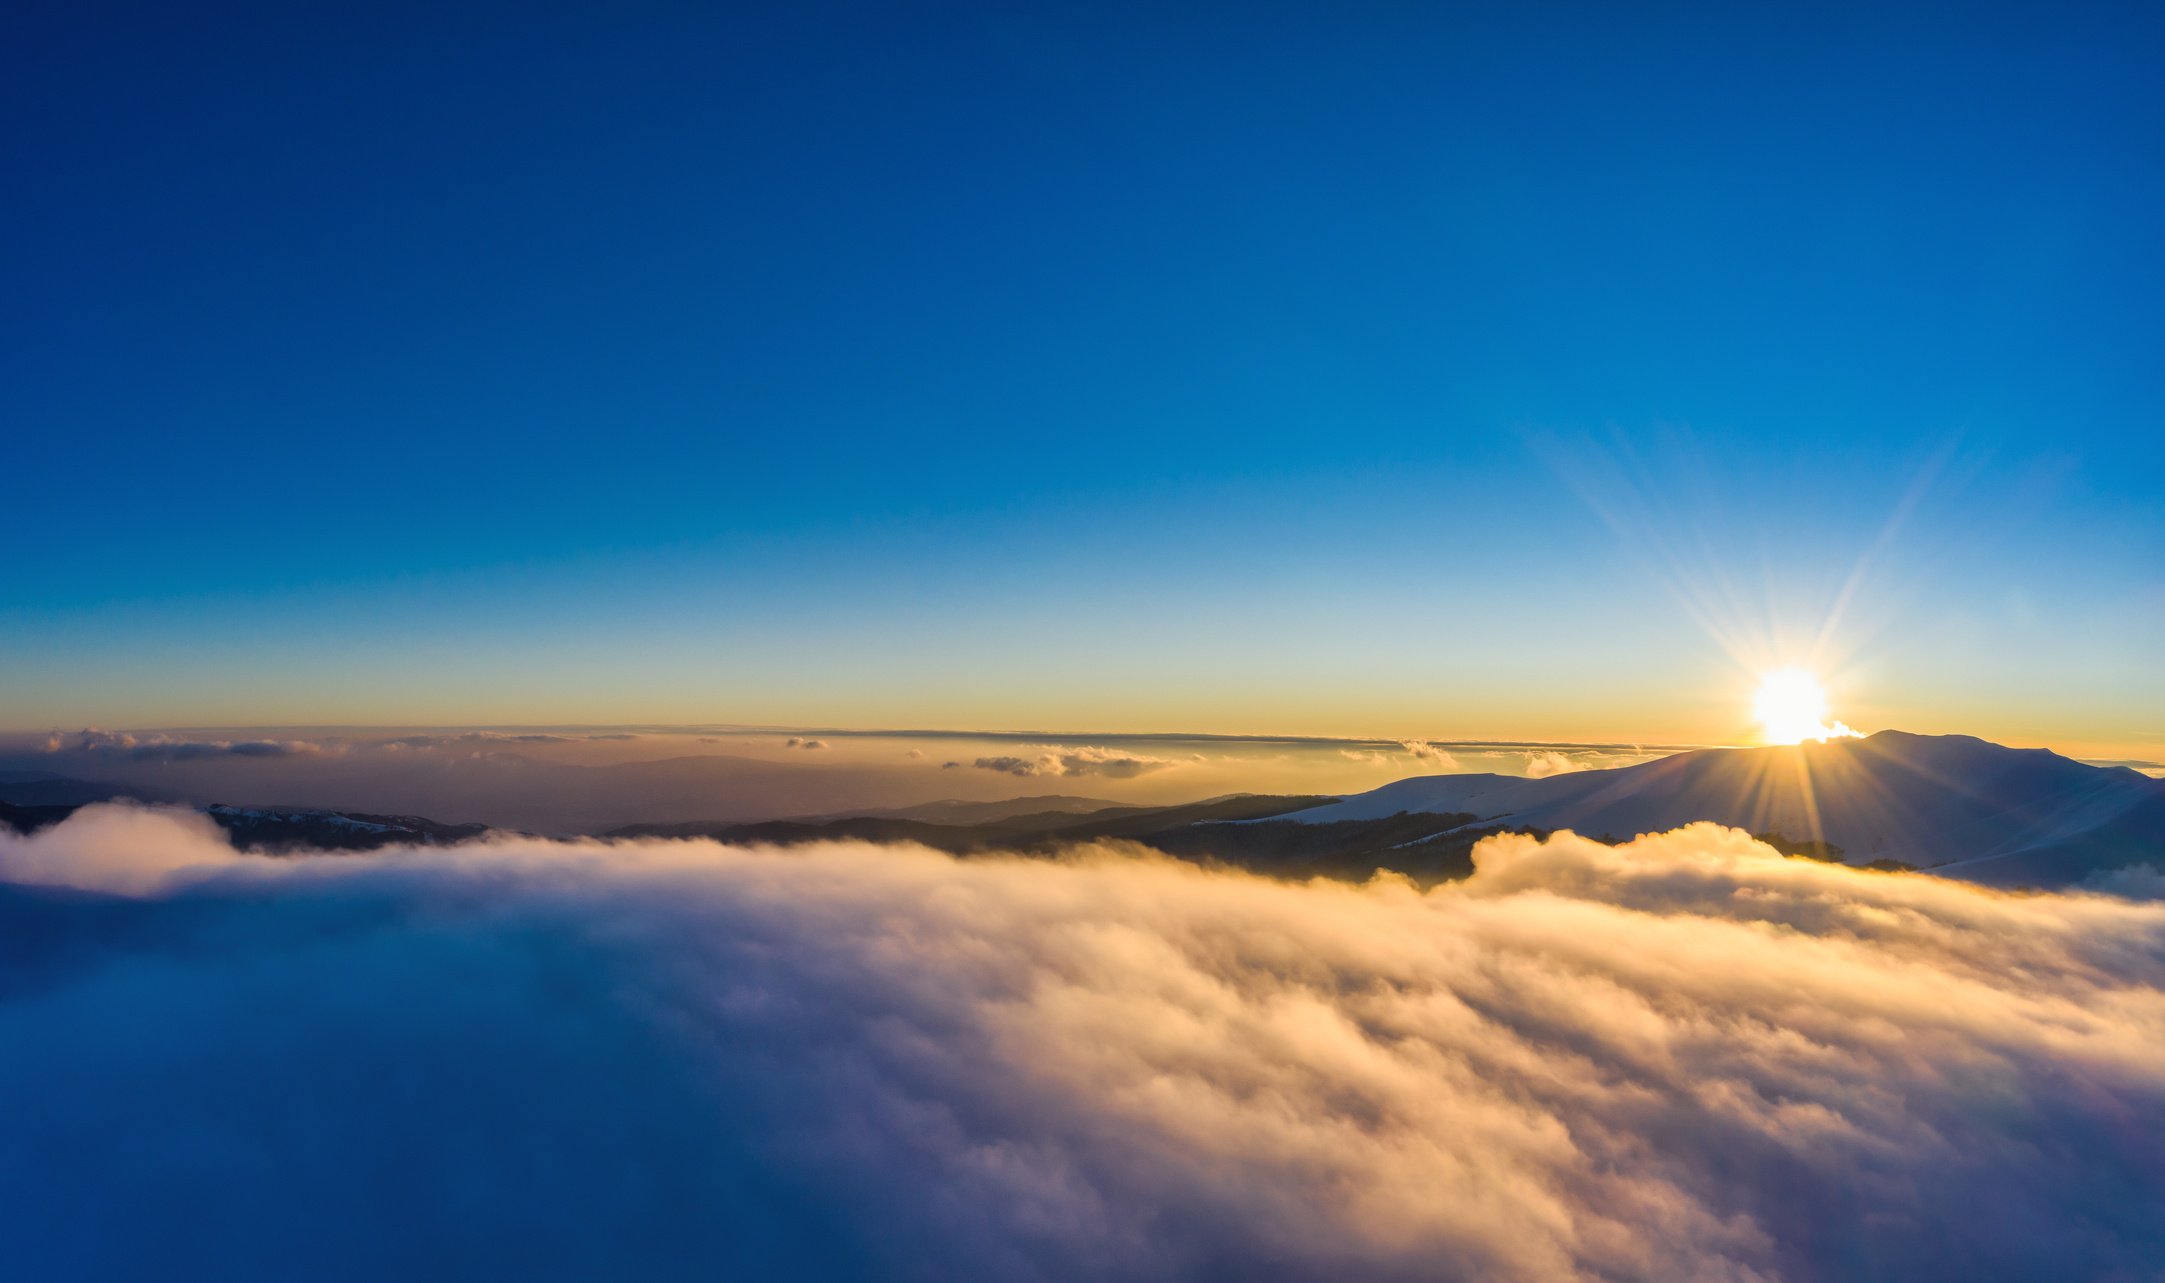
(1995, 813)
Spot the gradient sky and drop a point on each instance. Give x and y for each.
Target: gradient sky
(1446, 371)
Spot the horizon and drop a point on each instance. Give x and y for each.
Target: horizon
(569, 781)
(55, 737)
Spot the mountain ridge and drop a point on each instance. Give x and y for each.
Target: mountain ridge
(1998, 814)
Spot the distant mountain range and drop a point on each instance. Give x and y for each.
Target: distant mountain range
(1961, 806)
(954, 811)
(277, 832)
(990, 826)
(490, 785)
(1958, 806)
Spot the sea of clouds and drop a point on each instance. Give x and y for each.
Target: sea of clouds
(1685, 1058)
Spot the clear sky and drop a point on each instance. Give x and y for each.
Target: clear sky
(1404, 370)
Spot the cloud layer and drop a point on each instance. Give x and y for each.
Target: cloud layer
(1072, 760)
(160, 747)
(1685, 1058)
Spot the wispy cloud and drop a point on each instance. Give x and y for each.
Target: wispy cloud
(1542, 763)
(460, 739)
(1430, 754)
(1075, 760)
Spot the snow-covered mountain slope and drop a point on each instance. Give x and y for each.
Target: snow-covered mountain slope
(1984, 811)
(1483, 795)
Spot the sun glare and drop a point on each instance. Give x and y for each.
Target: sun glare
(1792, 708)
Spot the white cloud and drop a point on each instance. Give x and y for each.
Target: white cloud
(1430, 754)
(1682, 1058)
(1541, 763)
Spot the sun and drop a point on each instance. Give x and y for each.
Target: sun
(1792, 708)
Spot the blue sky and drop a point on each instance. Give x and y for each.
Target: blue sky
(1220, 369)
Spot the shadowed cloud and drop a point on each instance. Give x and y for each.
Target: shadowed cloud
(157, 747)
(1058, 760)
